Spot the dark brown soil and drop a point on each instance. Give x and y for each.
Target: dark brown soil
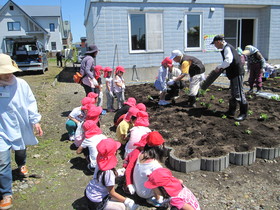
(204, 131)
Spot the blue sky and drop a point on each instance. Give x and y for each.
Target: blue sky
(72, 10)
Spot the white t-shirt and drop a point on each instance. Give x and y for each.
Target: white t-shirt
(78, 114)
(117, 88)
(135, 136)
(95, 190)
(140, 176)
(91, 143)
(111, 85)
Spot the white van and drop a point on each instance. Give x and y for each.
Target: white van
(29, 54)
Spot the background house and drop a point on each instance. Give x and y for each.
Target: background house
(45, 24)
(143, 33)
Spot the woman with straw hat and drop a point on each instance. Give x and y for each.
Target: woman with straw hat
(18, 116)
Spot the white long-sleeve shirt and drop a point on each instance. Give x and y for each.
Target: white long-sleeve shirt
(228, 57)
(18, 114)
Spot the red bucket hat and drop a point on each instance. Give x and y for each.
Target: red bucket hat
(106, 158)
(130, 101)
(141, 107)
(92, 95)
(142, 119)
(86, 100)
(120, 68)
(97, 70)
(93, 112)
(106, 70)
(154, 138)
(131, 112)
(90, 128)
(167, 61)
(162, 177)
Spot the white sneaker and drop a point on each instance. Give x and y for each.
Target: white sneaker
(72, 138)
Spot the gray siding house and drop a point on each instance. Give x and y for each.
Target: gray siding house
(43, 22)
(144, 32)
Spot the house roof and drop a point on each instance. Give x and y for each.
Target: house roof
(48, 11)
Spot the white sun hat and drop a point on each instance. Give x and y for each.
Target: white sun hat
(7, 65)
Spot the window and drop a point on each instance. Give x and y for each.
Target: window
(11, 7)
(53, 45)
(193, 33)
(239, 32)
(13, 26)
(51, 26)
(146, 33)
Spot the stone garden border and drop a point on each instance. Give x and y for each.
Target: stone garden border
(221, 163)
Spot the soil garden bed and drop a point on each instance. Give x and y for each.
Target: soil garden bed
(204, 131)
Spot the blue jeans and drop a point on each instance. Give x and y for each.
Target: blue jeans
(71, 127)
(6, 178)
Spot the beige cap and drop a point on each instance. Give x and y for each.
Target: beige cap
(7, 65)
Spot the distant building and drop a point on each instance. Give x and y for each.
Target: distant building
(142, 33)
(43, 22)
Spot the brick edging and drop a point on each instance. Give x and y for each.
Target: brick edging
(220, 163)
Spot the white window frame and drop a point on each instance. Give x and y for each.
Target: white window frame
(147, 50)
(186, 32)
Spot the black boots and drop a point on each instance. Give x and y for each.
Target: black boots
(243, 112)
(232, 108)
(192, 101)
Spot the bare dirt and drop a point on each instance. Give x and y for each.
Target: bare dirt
(205, 130)
(61, 174)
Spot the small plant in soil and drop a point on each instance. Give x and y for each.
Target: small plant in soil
(236, 123)
(263, 116)
(275, 98)
(208, 105)
(220, 89)
(197, 99)
(221, 101)
(224, 116)
(250, 96)
(250, 112)
(212, 97)
(202, 92)
(248, 131)
(150, 97)
(202, 103)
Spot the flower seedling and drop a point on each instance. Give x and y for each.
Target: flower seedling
(150, 97)
(202, 103)
(236, 123)
(201, 92)
(263, 116)
(248, 131)
(224, 116)
(250, 112)
(221, 101)
(250, 96)
(212, 97)
(220, 89)
(208, 105)
(275, 98)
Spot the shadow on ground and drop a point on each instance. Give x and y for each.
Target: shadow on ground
(66, 75)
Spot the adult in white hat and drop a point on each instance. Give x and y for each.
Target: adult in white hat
(192, 66)
(256, 65)
(18, 117)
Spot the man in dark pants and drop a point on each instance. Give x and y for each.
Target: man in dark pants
(59, 58)
(235, 73)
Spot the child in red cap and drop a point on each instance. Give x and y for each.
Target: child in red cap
(119, 85)
(160, 83)
(100, 191)
(140, 128)
(76, 117)
(142, 161)
(163, 182)
(93, 135)
(121, 112)
(109, 89)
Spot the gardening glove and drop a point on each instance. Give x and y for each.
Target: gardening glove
(111, 94)
(121, 171)
(170, 82)
(130, 204)
(131, 189)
